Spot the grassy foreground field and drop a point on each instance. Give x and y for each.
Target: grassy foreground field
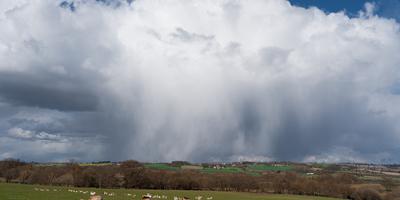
(35, 192)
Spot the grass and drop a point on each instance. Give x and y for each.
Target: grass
(63, 164)
(161, 166)
(94, 164)
(261, 167)
(209, 170)
(191, 167)
(223, 170)
(253, 170)
(28, 192)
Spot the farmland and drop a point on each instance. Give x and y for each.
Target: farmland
(178, 178)
(161, 166)
(251, 169)
(262, 167)
(36, 192)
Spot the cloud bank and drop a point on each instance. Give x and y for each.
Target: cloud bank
(200, 81)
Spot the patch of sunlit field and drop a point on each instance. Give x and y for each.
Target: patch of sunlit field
(38, 192)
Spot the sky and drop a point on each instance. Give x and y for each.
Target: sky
(202, 81)
(383, 8)
(351, 7)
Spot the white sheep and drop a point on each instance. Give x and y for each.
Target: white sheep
(198, 197)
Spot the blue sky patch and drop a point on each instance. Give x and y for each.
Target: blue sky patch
(384, 8)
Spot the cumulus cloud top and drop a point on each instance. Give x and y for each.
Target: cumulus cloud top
(199, 81)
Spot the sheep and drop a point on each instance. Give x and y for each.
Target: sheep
(96, 198)
(146, 197)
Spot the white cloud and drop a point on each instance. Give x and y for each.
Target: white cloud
(20, 133)
(47, 136)
(370, 9)
(32, 135)
(210, 79)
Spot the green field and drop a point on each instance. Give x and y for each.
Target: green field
(261, 167)
(64, 164)
(161, 166)
(223, 170)
(32, 192)
(254, 169)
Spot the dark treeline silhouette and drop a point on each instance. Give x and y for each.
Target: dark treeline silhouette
(132, 174)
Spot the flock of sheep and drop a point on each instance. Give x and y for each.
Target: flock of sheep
(133, 196)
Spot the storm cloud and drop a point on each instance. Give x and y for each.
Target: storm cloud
(221, 80)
